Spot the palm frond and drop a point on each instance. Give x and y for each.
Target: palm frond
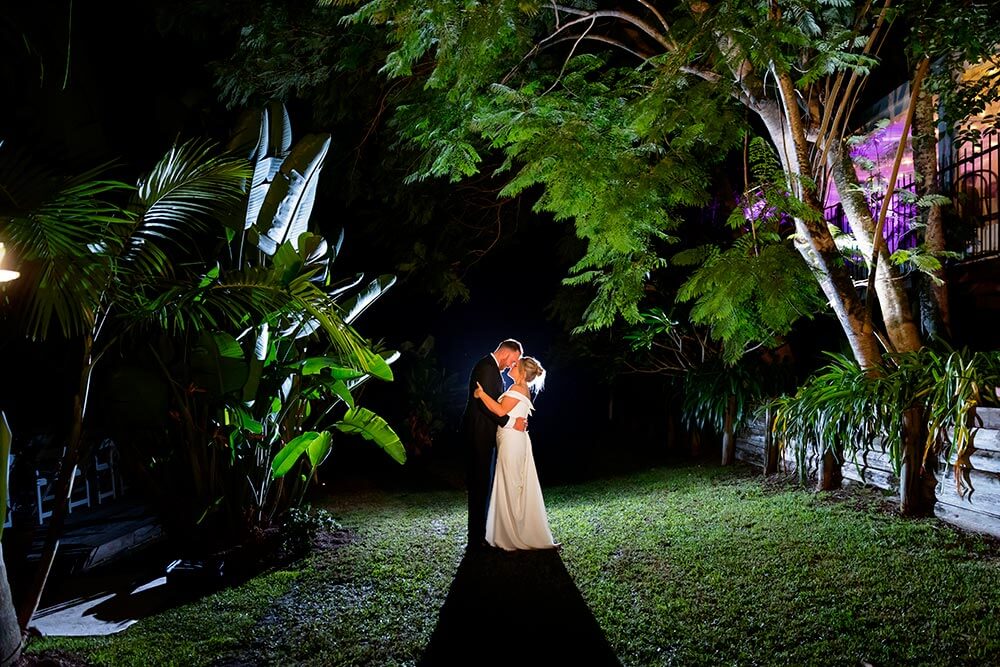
(190, 186)
(63, 247)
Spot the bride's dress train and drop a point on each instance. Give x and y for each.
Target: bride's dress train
(517, 517)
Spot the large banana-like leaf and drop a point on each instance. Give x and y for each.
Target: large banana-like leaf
(344, 285)
(335, 252)
(332, 365)
(357, 304)
(272, 148)
(315, 445)
(389, 357)
(262, 344)
(284, 213)
(370, 426)
(315, 252)
(217, 363)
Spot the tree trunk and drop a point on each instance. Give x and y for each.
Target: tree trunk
(916, 482)
(770, 444)
(819, 249)
(935, 315)
(831, 475)
(696, 444)
(785, 127)
(10, 632)
(64, 490)
(916, 497)
(729, 434)
(892, 298)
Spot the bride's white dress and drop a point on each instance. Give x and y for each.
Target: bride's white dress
(517, 517)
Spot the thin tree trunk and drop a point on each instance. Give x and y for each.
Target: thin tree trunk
(916, 499)
(820, 251)
(935, 315)
(893, 301)
(916, 482)
(729, 434)
(831, 475)
(10, 632)
(770, 444)
(64, 489)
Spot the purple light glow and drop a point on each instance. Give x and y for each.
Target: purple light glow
(873, 158)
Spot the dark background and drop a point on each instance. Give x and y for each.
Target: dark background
(106, 82)
(92, 82)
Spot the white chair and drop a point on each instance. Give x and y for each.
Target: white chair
(45, 491)
(106, 471)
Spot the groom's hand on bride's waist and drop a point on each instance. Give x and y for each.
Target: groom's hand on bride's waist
(520, 424)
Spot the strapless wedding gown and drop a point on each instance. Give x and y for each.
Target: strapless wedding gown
(517, 517)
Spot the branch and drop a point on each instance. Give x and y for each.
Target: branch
(570, 55)
(657, 14)
(624, 16)
(826, 125)
(601, 38)
(918, 79)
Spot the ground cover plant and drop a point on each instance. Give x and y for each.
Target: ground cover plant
(689, 565)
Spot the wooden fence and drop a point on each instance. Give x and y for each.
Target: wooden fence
(978, 508)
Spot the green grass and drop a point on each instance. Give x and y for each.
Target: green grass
(685, 566)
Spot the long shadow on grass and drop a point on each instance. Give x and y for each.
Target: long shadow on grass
(519, 608)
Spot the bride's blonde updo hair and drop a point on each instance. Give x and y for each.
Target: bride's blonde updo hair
(534, 374)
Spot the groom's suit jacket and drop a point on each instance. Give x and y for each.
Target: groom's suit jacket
(479, 437)
(478, 423)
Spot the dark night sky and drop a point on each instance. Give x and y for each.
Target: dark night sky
(130, 93)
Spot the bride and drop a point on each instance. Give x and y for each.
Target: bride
(517, 517)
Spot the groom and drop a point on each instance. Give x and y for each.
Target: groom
(479, 434)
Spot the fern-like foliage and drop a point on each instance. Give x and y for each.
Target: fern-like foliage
(752, 292)
(615, 150)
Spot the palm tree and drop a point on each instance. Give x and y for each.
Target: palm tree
(105, 272)
(82, 253)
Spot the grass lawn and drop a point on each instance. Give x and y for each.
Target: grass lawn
(692, 565)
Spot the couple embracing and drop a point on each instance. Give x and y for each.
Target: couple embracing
(506, 508)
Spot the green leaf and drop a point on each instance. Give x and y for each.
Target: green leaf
(217, 363)
(316, 445)
(340, 389)
(285, 210)
(244, 420)
(370, 426)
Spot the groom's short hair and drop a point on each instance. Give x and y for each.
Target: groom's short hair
(512, 345)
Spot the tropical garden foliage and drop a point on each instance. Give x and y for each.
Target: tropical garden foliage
(256, 390)
(851, 412)
(207, 269)
(624, 118)
(615, 112)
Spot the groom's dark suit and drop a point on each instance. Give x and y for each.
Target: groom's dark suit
(479, 437)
